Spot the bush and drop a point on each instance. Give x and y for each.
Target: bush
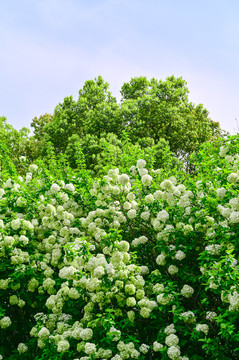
(140, 264)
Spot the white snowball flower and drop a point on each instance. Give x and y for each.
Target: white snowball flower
(67, 272)
(187, 291)
(15, 224)
(144, 348)
(167, 185)
(130, 196)
(163, 215)
(99, 271)
(145, 215)
(127, 205)
(170, 329)
(131, 301)
(86, 334)
(223, 151)
(203, 328)
(143, 172)
(90, 348)
(172, 340)
(172, 269)
(123, 179)
(146, 180)
(173, 353)
(234, 217)
(22, 348)
(157, 346)
(33, 168)
(70, 187)
(163, 300)
(160, 260)
(180, 255)
(5, 322)
(43, 333)
(149, 198)
(141, 163)
(188, 317)
(63, 346)
(221, 192)
(158, 195)
(131, 214)
(233, 178)
(55, 188)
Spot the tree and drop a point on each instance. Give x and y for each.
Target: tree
(161, 109)
(96, 111)
(152, 109)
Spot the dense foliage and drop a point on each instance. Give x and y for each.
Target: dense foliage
(140, 262)
(149, 111)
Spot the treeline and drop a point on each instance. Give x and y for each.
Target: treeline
(154, 120)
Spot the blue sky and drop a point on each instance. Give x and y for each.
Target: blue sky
(49, 48)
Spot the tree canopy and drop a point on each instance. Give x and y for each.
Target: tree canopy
(153, 109)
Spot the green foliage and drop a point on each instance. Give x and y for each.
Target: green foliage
(149, 111)
(139, 262)
(160, 109)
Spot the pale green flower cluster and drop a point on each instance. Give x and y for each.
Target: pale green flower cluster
(121, 264)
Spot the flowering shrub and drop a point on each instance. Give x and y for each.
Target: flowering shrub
(138, 265)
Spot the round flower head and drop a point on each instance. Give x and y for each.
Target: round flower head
(146, 180)
(33, 168)
(221, 192)
(15, 224)
(172, 340)
(123, 245)
(123, 179)
(86, 334)
(203, 328)
(233, 178)
(145, 312)
(131, 214)
(141, 164)
(70, 187)
(157, 346)
(180, 255)
(234, 217)
(63, 346)
(170, 329)
(163, 215)
(163, 300)
(223, 151)
(145, 215)
(131, 301)
(149, 198)
(167, 185)
(55, 188)
(173, 353)
(187, 291)
(43, 333)
(172, 269)
(144, 348)
(5, 322)
(90, 348)
(22, 348)
(161, 259)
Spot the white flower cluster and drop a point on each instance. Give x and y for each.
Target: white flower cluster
(5, 322)
(140, 240)
(202, 328)
(234, 301)
(126, 351)
(188, 317)
(213, 249)
(187, 291)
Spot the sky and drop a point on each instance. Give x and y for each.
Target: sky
(49, 48)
